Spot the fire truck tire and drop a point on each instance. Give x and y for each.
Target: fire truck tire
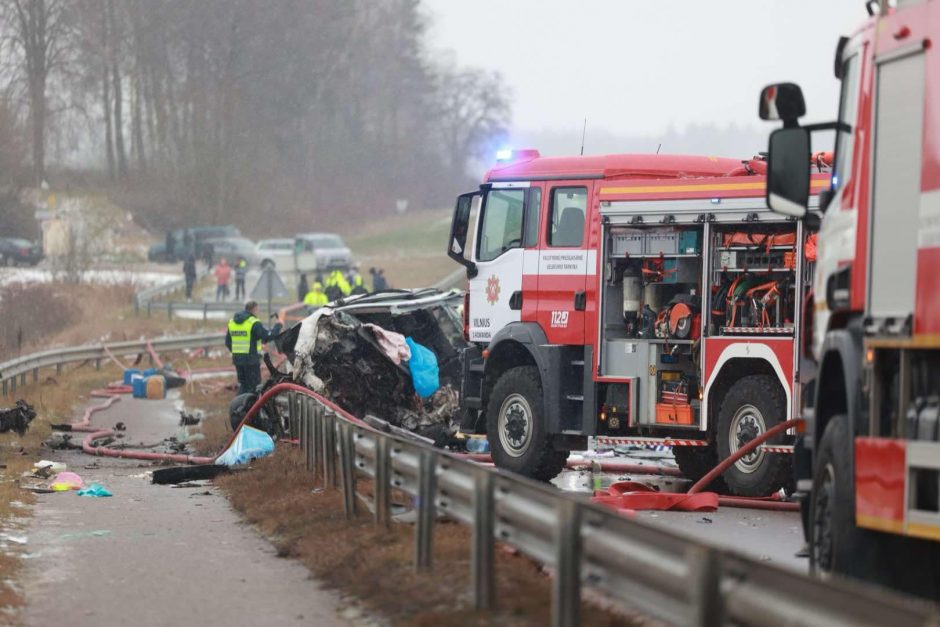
(696, 461)
(836, 544)
(753, 405)
(515, 426)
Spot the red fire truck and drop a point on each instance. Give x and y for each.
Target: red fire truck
(641, 299)
(872, 428)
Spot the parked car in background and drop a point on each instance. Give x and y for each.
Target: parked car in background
(278, 253)
(19, 252)
(322, 251)
(232, 248)
(187, 240)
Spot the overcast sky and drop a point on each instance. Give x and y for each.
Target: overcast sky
(638, 68)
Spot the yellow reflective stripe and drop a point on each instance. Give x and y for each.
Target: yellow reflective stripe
(709, 187)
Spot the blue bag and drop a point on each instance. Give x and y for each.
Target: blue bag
(249, 444)
(425, 375)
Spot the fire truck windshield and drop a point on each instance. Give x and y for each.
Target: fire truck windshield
(500, 223)
(848, 111)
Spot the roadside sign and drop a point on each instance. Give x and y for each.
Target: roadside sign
(269, 286)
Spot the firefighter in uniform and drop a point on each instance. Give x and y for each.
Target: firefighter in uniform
(245, 339)
(316, 297)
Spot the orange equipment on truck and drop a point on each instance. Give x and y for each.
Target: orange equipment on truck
(869, 461)
(638, 299)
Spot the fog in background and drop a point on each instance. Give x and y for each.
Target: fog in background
(683, 73)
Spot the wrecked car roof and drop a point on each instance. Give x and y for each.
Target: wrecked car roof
(398, 301)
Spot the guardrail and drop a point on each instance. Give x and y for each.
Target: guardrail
(143, 297)
(20, 367)
(144, 300)
(658, 572)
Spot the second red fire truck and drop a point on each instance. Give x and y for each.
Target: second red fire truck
(873, 426)
(638, 299)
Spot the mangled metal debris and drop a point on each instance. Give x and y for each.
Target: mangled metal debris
(17, 418)
(357, 356)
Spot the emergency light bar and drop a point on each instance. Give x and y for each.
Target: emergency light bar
(506, 155)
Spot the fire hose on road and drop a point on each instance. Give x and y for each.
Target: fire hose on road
(623, 495)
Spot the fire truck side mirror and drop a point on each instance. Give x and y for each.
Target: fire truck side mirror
(459, 229)
(782, 101)
(788, 171)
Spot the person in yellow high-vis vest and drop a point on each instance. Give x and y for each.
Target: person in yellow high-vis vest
(245, 339)
(316, 297)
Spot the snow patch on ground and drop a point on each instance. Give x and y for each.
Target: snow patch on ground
(27, 276)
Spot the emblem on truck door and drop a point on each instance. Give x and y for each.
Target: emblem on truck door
(492, 289)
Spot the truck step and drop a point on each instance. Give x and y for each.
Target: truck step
(578, 363)
(575, 397)
(477, 368)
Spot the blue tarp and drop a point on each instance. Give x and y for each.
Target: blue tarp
(249, 444)
(425, 375)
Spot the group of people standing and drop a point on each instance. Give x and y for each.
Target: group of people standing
(336, 285)
(223, 274)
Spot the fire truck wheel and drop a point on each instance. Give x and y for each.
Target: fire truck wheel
(515, 426)
(836, 544)
(696, 461)
(753, 405)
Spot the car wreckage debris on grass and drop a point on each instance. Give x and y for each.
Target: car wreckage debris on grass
(17, 418)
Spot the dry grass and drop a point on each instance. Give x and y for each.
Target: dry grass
(376, 565)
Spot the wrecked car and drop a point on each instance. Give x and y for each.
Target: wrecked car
(17, 418)
(355, 352)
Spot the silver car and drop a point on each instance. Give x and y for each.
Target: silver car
(234, 248)
(328, 250)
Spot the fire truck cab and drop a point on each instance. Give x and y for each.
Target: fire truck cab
(638, 299)
(873, 425)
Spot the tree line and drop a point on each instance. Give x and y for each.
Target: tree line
(271, 114)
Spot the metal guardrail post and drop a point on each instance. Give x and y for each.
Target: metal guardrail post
(13, 382)
(328, 449)
(23, 379)
(149, 309)
(169, 310)
(312, 417)
(482, 559)
(97, 364)
(566, 586)
(205, 311)
(35, 375)
(292, 414)
(5, 392)
(705, 597)
(381, 489)
(348, 468)
(304, 434)
(58, 368)
(424, 527)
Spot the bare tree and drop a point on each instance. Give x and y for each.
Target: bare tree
(39, 32)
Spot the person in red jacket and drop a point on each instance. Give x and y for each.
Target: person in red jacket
(223, 272)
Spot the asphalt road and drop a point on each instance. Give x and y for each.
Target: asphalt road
(157, 555)
(769, 536)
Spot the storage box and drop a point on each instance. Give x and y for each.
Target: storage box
(129, 374)
(689, 243)
(662, 242)
(673, 414)
(624, 244)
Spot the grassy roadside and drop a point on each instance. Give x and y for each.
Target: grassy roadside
(410, 247)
